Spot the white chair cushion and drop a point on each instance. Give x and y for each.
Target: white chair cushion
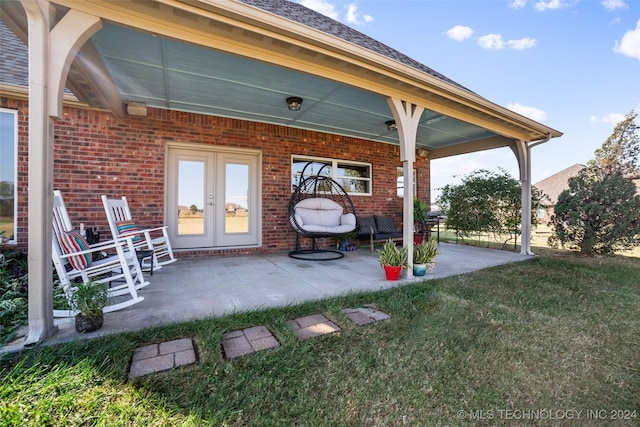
(319, 215)
(322, 212)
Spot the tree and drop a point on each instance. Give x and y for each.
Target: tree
(620, 153)
(600, 211)
(486, 202)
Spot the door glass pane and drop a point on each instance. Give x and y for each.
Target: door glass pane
(191, 197)
(236, 198)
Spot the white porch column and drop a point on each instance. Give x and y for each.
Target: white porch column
(50, 56)
(407, 117)
(523, 153)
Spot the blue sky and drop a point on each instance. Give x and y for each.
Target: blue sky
(572, 65)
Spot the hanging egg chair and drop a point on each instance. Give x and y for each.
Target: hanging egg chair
(319, 207)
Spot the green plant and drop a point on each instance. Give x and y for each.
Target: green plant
(599, 212)
(347, 237)
(90, 298)
(420, 213)
(13, 293)
(425, 252)
(392, 255)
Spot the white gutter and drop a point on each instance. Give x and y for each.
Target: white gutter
(540, 141)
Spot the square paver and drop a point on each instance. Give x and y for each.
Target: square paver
(162, 357)
(365, 315)
(312, 326)
(247, 341)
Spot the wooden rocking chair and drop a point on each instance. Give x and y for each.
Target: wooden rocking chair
(156, 239)
(74, 259)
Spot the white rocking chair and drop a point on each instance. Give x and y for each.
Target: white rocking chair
(73, 259)
(122, 225)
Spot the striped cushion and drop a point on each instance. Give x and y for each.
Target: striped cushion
(72, 242)
(126, 228)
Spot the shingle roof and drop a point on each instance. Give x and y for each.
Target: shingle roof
(555, 184)
(303, 15)
(15, 59)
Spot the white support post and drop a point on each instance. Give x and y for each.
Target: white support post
(523, 153)
(50, 56)
(407, 117)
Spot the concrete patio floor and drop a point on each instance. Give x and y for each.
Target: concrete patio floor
(194, 288)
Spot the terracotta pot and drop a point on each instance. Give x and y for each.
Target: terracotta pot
(392, 272)
(418, 238)
(88, 323)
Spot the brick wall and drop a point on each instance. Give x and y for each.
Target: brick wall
(97, 154)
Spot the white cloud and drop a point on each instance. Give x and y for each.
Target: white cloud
(518, 4)
(355, 17)
(459, 33)
(520, 44)
(543, 5)
(491, 41)
(532, 112)
(322, 6)
(352, 14)
(613, 118)
(613, 4)
(630, 43)
(495, 41)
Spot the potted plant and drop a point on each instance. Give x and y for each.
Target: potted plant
(420, 217)
(423, 256)
(88, 300)
(347, 241)
(392, 259)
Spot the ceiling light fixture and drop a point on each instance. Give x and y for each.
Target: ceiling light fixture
(391, 125)
(294, 103)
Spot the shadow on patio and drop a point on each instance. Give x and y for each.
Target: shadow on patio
(200, 287)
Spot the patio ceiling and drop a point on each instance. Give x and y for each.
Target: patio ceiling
(165, 73)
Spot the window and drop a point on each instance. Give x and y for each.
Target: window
(400, 182)
(8, 170)
(354, 177)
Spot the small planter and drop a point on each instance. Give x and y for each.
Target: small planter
(418, 238)
(419, 269)
(392, 272)
(88, 323)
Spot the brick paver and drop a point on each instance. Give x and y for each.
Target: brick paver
(247, 341)
(364, 315)
(312, 326)
(162, 357)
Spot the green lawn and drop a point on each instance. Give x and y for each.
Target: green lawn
(544, 338)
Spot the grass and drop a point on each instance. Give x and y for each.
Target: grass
(557, 333)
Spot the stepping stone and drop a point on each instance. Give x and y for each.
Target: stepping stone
(162, 357)
(247, 341)
(365, 315)
(312, 326)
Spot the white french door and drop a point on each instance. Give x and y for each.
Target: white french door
(213, 198)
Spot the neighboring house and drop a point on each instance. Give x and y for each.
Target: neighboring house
(555, 184)
(551, 187)
(181, 103)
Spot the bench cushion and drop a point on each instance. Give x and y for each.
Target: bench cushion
(385, 224)
(367, 225)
